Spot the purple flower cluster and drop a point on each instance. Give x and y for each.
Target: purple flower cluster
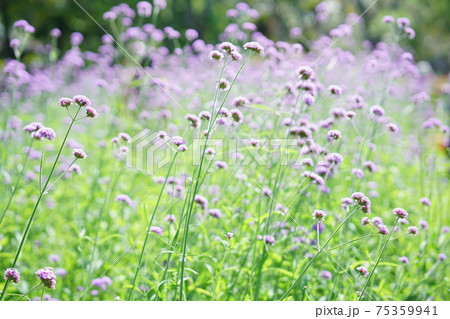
(47, 277)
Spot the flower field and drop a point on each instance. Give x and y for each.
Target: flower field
(162, 167)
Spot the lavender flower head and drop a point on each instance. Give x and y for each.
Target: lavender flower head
(400, 213)
(44, 133)
(156, 229)
(47, 277)
(171, 219)
(65, 102)
(82, 100)
(269, 240)
(377, 111)
(413, 230)
(383, 230)
(79, 153)
(229, 235)
(216, 55)
(102, 282)
(334, 135)
(365, 221)
(404, 259)
(363, 271)
(305, 72)
(319, 215)
(254, 46)
(214, 212)
(326, 274)
(144, 9)
(221, 165)
(426, 201)
(91, 112)
(178, 140)
(124, 199)
(13, 275)
(32, 127)
(335, 90)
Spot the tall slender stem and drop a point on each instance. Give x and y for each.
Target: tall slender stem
(148, 230)
(17, 181)
(33, 214)
(297, 281)
(378, 260)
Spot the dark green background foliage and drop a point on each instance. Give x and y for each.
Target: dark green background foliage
(429, 19)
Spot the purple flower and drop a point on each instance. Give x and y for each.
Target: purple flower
(55, 33)
(214, 212)
(254, 46)
(47, 277)
(182, 148)
(442, 257)
(404, 259)
(363, 270)
(125, 199)
(156, 229)
(236, 115)
(229, 235)
(269, 240)
(319, 215)
(216, 55)
(82, 100)
(335, 90)
(423, 224)
(305, 72)
(400, 213)
(426, 201)
(91, 112)
(326, 274)
(144, 9)
(178, 140)
(79, 153)
(13, 275)
(227, 47)
(413, 230)
(308, 99)
(65, 102)
(102, 282)
(201, 200)
(377, 111)
(236, 56)
(24, 25)
(191, 34)
(403, 22)
(44, 133)
(54, 258)
(194, 120)
(334, 135)
(388, 19)
(32, 127)
(220, 165)
(266, 191)
(410, 32)
(365, 221)
(383, 230)
(240, 101)
(76, 38)
(170, 218)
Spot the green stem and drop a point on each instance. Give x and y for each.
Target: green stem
(378, 260)
(34, 288)
(297, 281)
(148, 230)
(33, 214)
(17, 182)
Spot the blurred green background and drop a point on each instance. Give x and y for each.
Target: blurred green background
(430, 19)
